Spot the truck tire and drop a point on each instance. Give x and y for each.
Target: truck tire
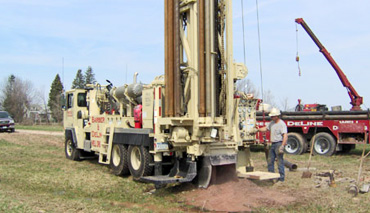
(71, 151)
(138, 161)
(296, 144)
(118, 160)
(324, 144)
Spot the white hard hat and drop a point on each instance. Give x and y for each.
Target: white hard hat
(274, 112)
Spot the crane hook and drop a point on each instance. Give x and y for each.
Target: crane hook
(297, 56)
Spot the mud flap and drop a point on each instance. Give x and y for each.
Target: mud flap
(216, 169)
(204, 173)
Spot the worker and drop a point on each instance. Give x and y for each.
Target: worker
(278, 136)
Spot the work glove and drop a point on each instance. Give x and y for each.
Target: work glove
(281, 149)
(254, 130)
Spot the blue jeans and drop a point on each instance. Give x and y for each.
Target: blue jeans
(273, 154)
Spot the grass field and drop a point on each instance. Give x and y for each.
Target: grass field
(323, 199)
(36, 177)
(40, 127)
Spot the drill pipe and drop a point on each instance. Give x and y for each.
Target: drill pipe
(202, 86)
(216, 75)
(290, 166)
(208, 57)
(176, 56)
(169, 62)
(166, 63)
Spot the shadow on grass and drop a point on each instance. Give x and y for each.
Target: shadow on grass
(92, 159)
(356, 152)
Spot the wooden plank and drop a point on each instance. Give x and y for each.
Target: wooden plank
(259, 175)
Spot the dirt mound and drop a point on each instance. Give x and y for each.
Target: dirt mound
(236, 196)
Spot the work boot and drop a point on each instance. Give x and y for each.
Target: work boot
(279, 183)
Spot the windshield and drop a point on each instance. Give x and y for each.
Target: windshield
(4, 115)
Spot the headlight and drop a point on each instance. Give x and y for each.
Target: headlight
(11, 121)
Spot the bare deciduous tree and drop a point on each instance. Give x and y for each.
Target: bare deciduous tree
(269, 98)
(43, 103)
(17, 97)
(247, 87)
(284, 104)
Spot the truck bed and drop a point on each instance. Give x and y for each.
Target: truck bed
(320, 115)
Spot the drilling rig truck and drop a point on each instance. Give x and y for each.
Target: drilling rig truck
(186, 124)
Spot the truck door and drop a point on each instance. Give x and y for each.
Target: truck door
(76, 114)
(81, 115)
(69, 111)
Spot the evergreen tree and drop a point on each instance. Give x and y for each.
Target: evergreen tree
(55, 99)
(89, 76)
(79, 81)
(8, 96)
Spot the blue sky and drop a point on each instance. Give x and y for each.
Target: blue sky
(110, 35)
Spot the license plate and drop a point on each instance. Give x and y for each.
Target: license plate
(161, 146)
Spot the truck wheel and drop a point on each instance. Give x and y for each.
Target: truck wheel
(71, 151)
(324, 144)
(118, 160)
(296, 144)
(138, 161)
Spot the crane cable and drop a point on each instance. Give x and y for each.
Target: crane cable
(260, 53)
(297, 56)
(259, 43)
(245, 60)
(265, 145)
(260, 59)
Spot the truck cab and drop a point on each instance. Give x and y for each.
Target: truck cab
(76, 115)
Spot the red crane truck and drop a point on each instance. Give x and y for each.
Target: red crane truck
(334, 130)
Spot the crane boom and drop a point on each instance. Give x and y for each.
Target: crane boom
(356, 99)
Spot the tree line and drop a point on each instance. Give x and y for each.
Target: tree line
(247, 86)
(19, 97)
